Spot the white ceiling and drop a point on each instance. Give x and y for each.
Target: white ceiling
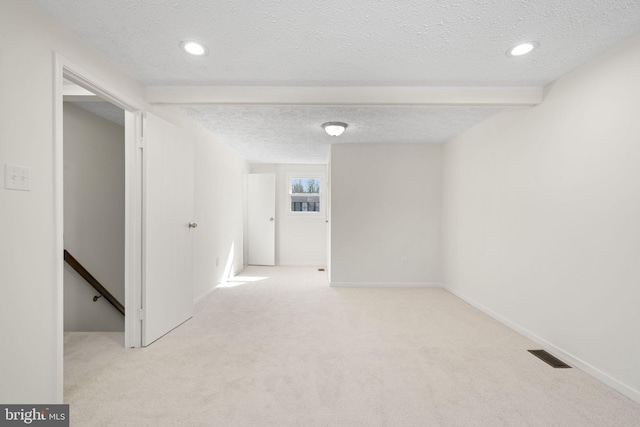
(286, 133)
(337, 43)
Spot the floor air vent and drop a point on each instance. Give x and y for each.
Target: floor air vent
(549, 358)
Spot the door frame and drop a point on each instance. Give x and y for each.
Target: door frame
(65, 69)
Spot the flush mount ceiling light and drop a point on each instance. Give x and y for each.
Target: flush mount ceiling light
(522, 48)
(334, 128)
(194, 48)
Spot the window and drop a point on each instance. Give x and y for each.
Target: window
(304, 194)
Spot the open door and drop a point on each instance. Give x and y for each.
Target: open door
(261, 192)
(167, 288)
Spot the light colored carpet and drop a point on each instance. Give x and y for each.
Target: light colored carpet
(290, 351)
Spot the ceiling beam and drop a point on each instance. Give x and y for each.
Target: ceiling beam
(286, 95)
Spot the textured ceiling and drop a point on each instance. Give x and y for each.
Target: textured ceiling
(355, 42)
(285, 134)
(337, 43)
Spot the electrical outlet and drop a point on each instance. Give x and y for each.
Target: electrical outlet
(403, 260)
(17, 178)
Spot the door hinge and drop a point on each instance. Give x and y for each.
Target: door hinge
(140, 314)
(140, 143)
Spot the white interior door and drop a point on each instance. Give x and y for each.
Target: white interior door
(261, 215)
(167, 290)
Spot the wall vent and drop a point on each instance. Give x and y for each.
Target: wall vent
(549, 358)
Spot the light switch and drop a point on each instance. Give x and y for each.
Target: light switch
(17, 178)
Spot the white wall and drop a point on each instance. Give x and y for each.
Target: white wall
(93, 218)
(220, 203)
(541, 209)
(385, 207)
(542, 217)
(220, 192)
(30, 363)
(300, 239)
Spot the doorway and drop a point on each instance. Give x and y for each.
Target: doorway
(148, 227)
(65, 70)
(94, 212)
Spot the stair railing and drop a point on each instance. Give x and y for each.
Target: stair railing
(69, 259)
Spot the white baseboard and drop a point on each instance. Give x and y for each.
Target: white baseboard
(297, 264)
(206, 294)
(555, 350)
(385, 285)
(215, 288)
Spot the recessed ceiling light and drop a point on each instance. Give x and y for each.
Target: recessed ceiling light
(194, 48)
(334, 128)
(522, 48)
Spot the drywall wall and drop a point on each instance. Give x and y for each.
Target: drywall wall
(385, 214)
(31, 367)
(93, 218)
(541, 217)
(301, 239)
(219, 239)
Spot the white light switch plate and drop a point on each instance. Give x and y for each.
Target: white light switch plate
(17, 178)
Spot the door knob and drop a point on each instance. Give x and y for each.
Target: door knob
(192, 225)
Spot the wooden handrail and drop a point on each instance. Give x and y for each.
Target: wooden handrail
(92, 281)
